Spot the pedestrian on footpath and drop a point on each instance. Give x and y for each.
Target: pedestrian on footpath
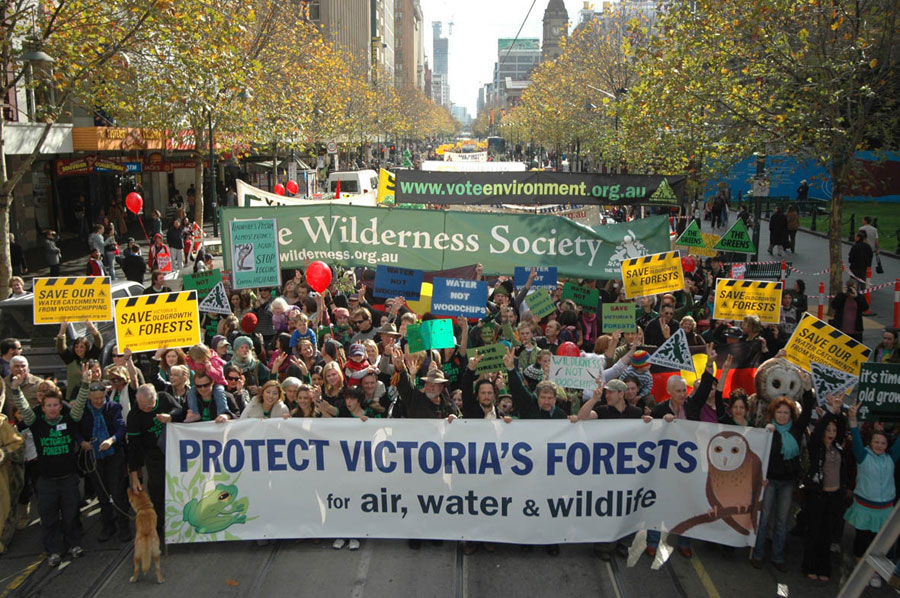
(175, 240)
(51, 251)
(860, 258)
(778, 232)
(872, 240)
(793, 224)
(848, 307)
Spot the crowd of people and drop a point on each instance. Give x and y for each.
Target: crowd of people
(292, 352)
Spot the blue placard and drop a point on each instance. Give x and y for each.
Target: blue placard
(459, 297)
(391, 282)
(545, 279)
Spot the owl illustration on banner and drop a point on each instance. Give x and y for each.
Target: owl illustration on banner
(732, 484)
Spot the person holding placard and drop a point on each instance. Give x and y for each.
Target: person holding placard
(84, 348)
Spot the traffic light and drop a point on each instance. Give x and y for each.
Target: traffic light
(393, 150)
(382, 152)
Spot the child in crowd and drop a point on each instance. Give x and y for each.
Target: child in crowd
(357, 365)
(201, 359)
(301, 329)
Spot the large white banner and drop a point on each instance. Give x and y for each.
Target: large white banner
(529, 482)
(465, 157)
(446, 166)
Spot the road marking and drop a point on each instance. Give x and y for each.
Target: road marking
(613, 580)
(362, 572)
(707, 582)
(20, 578)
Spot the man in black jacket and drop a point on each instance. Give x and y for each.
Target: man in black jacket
(860, 257)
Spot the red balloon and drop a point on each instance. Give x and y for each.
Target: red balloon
(279, 189)
(318, 276)
(688, 264)
(292, 187)
(134, 202)
(568, 349)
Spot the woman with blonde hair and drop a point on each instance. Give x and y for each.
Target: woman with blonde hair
(333, 382)
(269, 403)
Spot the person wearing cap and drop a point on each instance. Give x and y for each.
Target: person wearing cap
(94, 265)
(254, 372)
(220, 345)
(357, 365)
(156, 247)
(432, 402)
(103, 429)
(640, 369)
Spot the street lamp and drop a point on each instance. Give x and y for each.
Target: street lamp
(33, 58)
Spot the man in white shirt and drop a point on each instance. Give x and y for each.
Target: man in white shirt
(871, 234)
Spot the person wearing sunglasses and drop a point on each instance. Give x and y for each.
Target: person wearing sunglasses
(207, 407)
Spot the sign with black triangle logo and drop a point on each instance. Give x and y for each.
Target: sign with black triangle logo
(216, 301)
(675, 353)
(664, 194)
(736, 240)
(829, 381)
(691, 237)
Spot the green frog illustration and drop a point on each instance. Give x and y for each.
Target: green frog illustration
(217, 510)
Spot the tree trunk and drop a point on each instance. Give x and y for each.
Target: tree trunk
(835, 243)
(198, 185)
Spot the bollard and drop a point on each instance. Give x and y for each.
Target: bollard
(852, 227)
(783, 270)
(897, 304)
(868, 311)
(822, 299)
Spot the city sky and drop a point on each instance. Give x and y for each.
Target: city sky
(477, 24)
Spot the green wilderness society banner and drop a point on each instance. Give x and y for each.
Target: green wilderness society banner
(437, 240)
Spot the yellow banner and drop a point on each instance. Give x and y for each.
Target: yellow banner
(75, 299)
(709, 240)
(149, 322)
(738, 298)
(814, 340)
(386, 185)
(652, 274)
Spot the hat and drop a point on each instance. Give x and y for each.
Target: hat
(218, 340)
(248, 323)
(388, 328)
(240, 342)
(341, 312)
(357, 349)
(435, 377)
(503, 395)
(639, 359)
(733, 332)
(500, 290)
(616, 385)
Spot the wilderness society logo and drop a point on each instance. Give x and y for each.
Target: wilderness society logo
(434, 240)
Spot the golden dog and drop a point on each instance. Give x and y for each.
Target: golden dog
(146, 540)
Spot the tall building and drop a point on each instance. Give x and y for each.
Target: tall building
(409, 49)
(556, 23)
(516, 59)
(348, 23)
(382, 41)
(440, 82)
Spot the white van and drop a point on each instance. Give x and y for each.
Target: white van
(354, 182)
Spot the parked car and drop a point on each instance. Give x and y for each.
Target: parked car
(39, 341)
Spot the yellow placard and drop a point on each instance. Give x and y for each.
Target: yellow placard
(738, 298)
(386, 185)
(149, 322)
(423, 305)
(74, 299)
(652, 274)
(814, 340)
(709, 240)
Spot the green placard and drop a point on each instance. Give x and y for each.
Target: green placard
(619, 316)
(202, 282)
(540, 303)
(254, 253)
(736, 239)
(432, 334)
(491, 358)
(879, 391)
(586, 297)
(691, 237)
(414, 338)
